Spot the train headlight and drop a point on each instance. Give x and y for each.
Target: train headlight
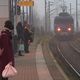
(69, 29)
(58, 29)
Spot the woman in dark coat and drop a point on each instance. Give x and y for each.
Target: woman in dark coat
(6, 45)
(19, 29)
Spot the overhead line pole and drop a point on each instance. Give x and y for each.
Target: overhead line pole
(70, 8)
(49, 16)
(76, 16)
(45, 18)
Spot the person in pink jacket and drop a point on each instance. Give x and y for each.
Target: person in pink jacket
(6, 50)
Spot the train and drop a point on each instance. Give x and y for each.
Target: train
(64, 25)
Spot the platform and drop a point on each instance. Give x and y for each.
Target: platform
(32, 66)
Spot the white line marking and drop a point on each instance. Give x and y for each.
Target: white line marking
(43, 72)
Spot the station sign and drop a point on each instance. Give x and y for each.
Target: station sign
(25, 3)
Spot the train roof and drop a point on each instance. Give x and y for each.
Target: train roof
(63, 16)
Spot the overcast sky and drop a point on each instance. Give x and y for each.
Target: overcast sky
(40, 7)
(73, 4)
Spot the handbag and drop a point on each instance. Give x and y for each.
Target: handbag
(21, 47)
(9, 71)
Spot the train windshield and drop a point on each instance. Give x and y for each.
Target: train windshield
(63, 21)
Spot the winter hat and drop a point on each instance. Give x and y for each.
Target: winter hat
(9, 25)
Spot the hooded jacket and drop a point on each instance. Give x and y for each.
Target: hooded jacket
(7, 54)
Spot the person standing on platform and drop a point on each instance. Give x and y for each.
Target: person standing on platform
(6, 50)
(20, 34)
(27, 37)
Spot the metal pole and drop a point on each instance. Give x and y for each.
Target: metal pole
(11, 13)
(10, 9)
(76, 16)
(23, 14)
(30, 15)
(70, 8)
(49, 15)
(45, 18)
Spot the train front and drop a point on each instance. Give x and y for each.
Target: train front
(64, 25)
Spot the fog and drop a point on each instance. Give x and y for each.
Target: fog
(39, 11)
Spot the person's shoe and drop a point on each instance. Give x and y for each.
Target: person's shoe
(20, 54)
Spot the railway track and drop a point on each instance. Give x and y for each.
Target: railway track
(66, 52)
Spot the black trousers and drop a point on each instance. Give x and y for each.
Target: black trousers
(26, 47)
